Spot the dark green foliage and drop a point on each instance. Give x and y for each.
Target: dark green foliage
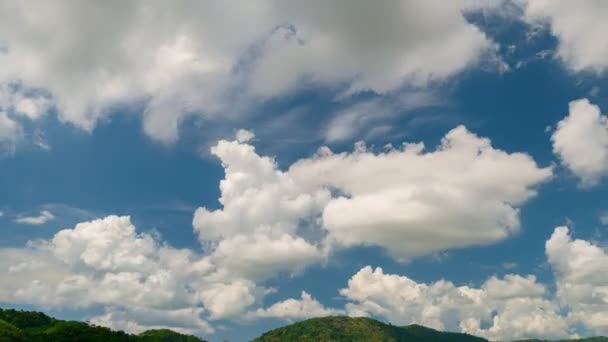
(337, 329)
(166, 335)
(28, 326)
(9, 333)
(428, 334)
(25, 319)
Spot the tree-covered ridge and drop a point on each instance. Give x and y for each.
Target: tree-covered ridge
(29, 326)
(360, 329)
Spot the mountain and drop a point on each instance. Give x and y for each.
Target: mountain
(29, 326)
(360, 329)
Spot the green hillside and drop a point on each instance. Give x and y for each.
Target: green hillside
(334, 329)
(28, 326)
(338, 329)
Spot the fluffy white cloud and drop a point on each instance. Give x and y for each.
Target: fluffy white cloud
(407, 200)
(189, 59)
(225, 300)
(581, 142)
(578, 26)
(106, 262)
(297, 309)
(581, 269)
(415, 202)
(44, 217)
(326, 43)
(507, 308)
(186, 321)
(262, 210)
(512, 307)
(243, 135)
(260, 256)
(31, 107)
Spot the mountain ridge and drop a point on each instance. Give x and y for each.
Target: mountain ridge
(32, 326)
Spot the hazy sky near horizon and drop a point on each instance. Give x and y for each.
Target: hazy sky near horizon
(225, 168)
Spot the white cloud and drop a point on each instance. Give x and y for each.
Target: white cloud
(512, 307)
(106, 262)
(297, 309)
(604, 218)
(185, 321)
(260, 256)
(16, 100)
(506, 308)
(578, 26)
(581, 142)
(44, 217)
(228, 300)
(414, 202)
(243, 135)
(373, 117)
(32, 107)
(142, 284)
(193, 58)
(10, 132)
(409, 201)
(326, 43)
(581, 269)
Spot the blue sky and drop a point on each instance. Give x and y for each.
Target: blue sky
(175, 168)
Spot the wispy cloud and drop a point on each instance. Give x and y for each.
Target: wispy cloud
(44, 217)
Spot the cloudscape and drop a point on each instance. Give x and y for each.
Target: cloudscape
(224, 168)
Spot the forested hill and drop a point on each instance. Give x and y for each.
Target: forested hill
(334, 329)
(338, 329)
(28, 326)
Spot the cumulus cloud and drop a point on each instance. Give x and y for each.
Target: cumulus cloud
(581, 269)
(260, 256)
(502, 308)
(512, 307)
(106, 262)
(326, 43)
(297, 309)
(186, 321)
(44, 217)
(578, 26)
(142, 284)
(187, 60)
(410, 201)
(581, 142)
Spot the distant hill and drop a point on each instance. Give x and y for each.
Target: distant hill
(29, 326)
(360, 329)
(338, 329)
